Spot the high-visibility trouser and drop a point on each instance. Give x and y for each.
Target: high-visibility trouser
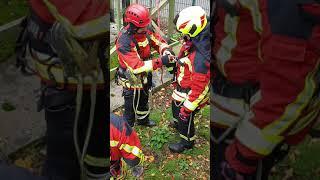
(61, 159)
(226, 114)
(136, 105)
(217, 156)
(185, 128)
(229, 113)
(178, 97)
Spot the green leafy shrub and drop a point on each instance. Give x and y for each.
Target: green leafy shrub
(159, 137)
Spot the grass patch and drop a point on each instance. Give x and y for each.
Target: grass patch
(12, 9)
(160, 162)
(114, 61)
(7, 45)
(303, 162)
(159, 137)
(198, 151)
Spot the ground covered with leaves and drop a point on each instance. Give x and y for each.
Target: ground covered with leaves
(303, 161)
(160, 162)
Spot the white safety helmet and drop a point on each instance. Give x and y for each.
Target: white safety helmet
(191, 21)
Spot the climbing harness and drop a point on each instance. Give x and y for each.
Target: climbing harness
(83, 65)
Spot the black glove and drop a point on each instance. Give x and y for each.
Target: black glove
(165, 60)
(168, 51)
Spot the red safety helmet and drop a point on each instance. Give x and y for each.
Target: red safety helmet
(137, 15)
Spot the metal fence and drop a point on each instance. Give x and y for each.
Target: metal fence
(179, 5)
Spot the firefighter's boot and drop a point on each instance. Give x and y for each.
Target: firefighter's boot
(180, 146)
(148, 122)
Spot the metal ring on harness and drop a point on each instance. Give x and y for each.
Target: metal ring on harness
(53, 79)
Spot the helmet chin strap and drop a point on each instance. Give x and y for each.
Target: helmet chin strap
(185, 37)
(132, 28)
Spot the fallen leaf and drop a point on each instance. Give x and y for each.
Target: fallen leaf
(151, 159)
(24, 163)
(292, 157)
(288, 174)
(318, 172)
(273, 170)
(170, 156)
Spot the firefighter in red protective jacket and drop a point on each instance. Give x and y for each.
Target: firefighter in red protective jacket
(193, 74)
(65, 42)
(265, 85)
(125, 146)
(133, 46)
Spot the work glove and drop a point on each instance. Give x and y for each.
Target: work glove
(137, 171)
(184, 114)
(169, 52)
(167, 60)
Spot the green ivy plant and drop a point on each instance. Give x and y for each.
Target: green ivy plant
(159, 137)
(183, 165)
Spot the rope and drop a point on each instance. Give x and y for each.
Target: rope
(161, 76)
(259, 170)
(93, 93)
(81, 154)
(76, 120)
(135, 106)
(189, 126)
(178, 105)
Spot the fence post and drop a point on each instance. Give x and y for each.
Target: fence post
(171, 17)
(112, 18)
(119, 14)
